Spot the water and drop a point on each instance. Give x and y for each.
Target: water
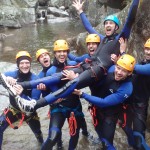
(35, 36)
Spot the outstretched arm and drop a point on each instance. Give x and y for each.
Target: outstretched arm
(130, 20)
(142, 69)
(78, 59)
(78, 4)
(113, 99)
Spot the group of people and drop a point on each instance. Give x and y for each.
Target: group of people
(119, 87)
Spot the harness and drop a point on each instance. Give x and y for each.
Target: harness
(75, 66)
(124, 108)
(72, 124)
(64, 110)
(14, 112)
(71, 120)
(92, 109)
(88, 64)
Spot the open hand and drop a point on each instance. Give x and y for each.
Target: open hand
(78, 4)
(18, 88)
(123, 45)
(69, 75)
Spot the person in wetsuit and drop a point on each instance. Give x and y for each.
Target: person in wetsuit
(92, 42)
(140, 98)
(12, 113)
(89, 72)
(43, 57)
(108, 98)
(60, 111)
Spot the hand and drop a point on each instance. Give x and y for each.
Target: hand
(41, 86)
(11, 80)
(18, 88)
(58, 101)
(78, 5)
(123, 45)
(114, 58)
(77, 92)
(69, 75)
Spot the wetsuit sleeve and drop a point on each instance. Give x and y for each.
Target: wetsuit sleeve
(78, 59)
(35, 94)
(118, 97)
(111, 69)
(12, 74)
(142, 69)
(87, 25)
(51, 72)
(125, 33)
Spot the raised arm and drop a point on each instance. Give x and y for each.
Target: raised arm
(125, 33)
(78, 4)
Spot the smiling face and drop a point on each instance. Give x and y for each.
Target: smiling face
(92, 47)
(110, 27)
(147, 53)
(24, 66)
(61, 55)
(121, 73)
(45, 60)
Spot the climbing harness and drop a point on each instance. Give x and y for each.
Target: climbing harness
(124, 108)
(72, 124)
(6, 111)
(92, 110)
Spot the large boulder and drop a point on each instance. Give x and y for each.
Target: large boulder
(15, 17)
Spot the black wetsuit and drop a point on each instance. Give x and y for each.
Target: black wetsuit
(140, 99)
(13, 113)
(61, 111)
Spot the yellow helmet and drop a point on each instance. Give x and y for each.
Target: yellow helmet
(127, 62)
(61, 45)
(40, 52)
(147, 44)
(93, 38)
(22, 53)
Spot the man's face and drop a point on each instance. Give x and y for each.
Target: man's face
(147, 53)
(121, 73)
(24, 66)
(92, 47)
(110, 28)
(45, 60)
(61, 56)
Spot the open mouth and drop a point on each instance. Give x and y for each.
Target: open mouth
(45, 61)
(91, 50)
(108, 29)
